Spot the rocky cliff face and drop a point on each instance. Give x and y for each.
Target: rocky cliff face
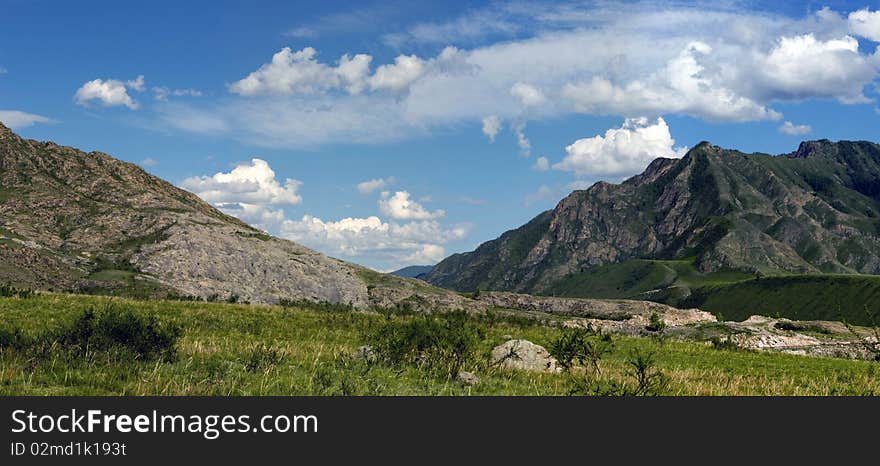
(77, 221)
(814, 210)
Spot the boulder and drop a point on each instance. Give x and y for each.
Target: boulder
(524, 355)
(467, 378)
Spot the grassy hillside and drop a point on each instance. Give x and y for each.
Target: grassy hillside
(851, 298)
(734, 295)
(227, 349)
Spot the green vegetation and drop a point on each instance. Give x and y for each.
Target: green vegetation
(657, 280)
(735, 295)
(799, 297)
(235, 349)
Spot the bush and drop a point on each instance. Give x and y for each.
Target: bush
(263, 357)
(442, 343)
(645, 379)
(584, 345)
(9, 291)
(14, 339)
(656, 324)
(113, 330)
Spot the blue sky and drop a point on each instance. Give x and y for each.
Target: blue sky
(396, 133)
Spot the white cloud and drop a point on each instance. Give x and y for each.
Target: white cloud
(252, 193)
(15, 119)
(476, 24)
(400, 207)
(136, 84)
(300, 72)
(525, 146)
(399, 75)
(3, 70)
(528, 96)
(149, 162)
(681, 86)
(865, 23)
(354, 71)
(289, 72)
(372, 239)
(491, 127)
(367, 187)
(802, 67)
(794, 130)
(162, 93)
(622, 151)
(719, 64)
(542, 164)
(252, 183)
(110, 93)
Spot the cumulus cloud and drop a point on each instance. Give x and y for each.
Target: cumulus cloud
(528, 96)
(865, 23)
(367, 187)
(622, 151)
(300, 72)
(110, 93)
(252, 183)
(719, 64)
(681, 86)
(399, 75)
(136, 84)
(370, 238)
(249, 192)
(542, 164)
(491, 127)
(16, 119)
(289, 72)
(794, 130)
(149, 162)
(802, 67)
(400, 207)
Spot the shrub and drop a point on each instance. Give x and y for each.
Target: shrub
(114, 330)
(262, 357)
(9, 291)
(650, 381)
(14, 339)
(583, 345)
(656, 324)
(439, 343)
(646, 379)
(724, 344)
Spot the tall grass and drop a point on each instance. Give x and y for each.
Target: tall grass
(235, 349)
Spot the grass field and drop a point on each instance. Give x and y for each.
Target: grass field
(731, 294)
(228, 349)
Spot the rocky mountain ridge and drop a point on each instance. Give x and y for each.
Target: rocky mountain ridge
(814, 210)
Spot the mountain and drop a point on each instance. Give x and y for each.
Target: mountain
(413, 271)
(86, 222)
(712, 212)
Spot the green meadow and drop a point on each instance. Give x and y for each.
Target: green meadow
(47, 347)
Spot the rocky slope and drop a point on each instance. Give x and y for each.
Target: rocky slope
(814, 210)
(77, 221)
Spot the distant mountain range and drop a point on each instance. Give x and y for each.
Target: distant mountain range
(712, 212)
(413, 271)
